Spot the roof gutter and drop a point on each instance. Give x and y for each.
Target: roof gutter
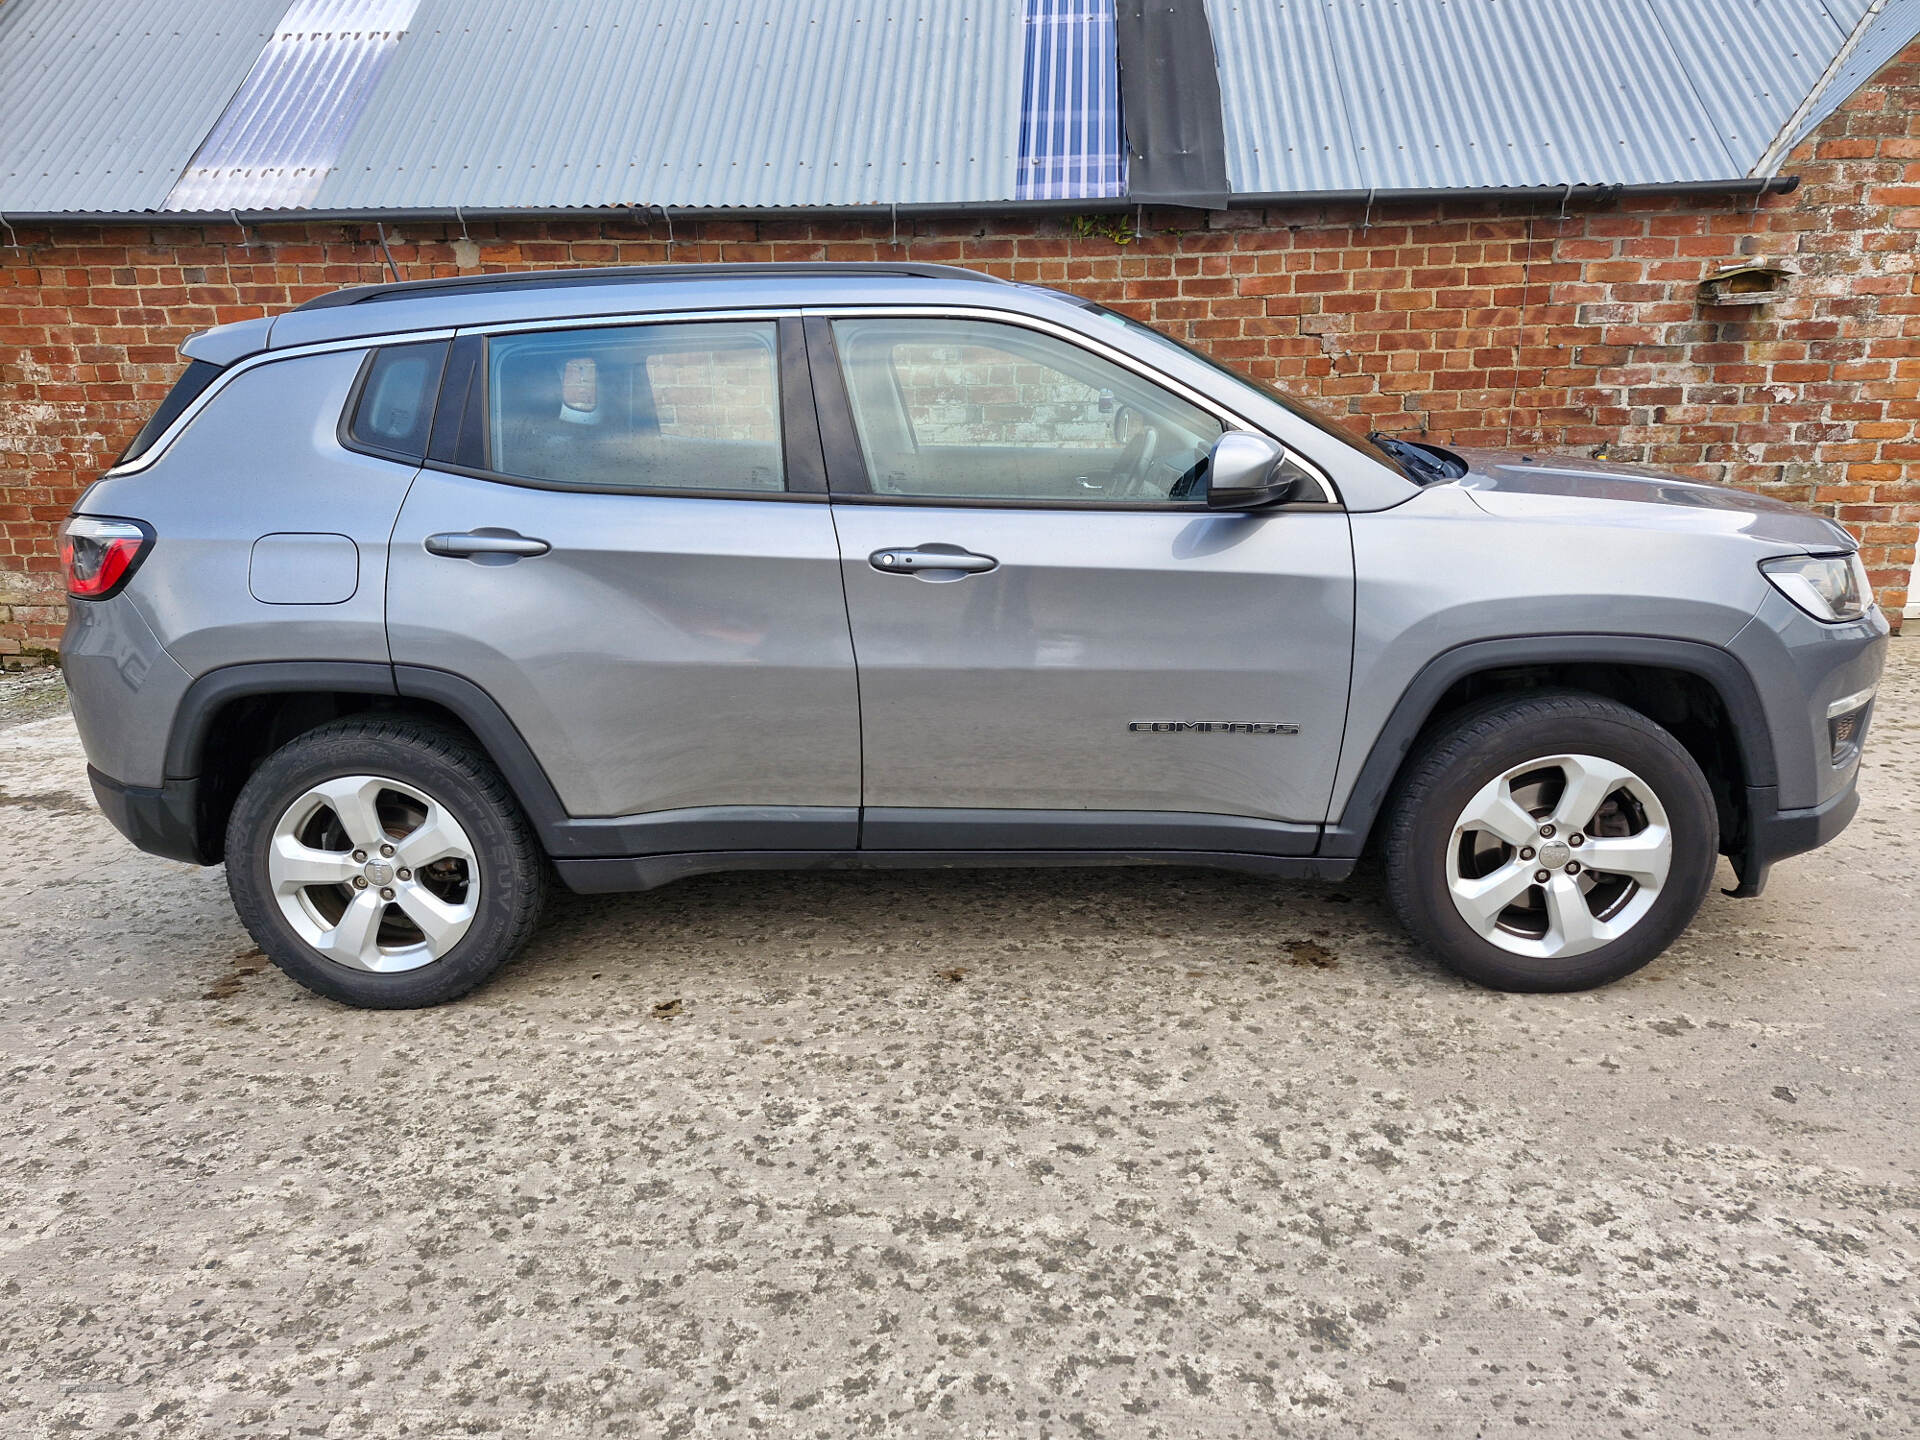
(456, 215)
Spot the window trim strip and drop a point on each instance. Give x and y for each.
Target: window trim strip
(846, 468)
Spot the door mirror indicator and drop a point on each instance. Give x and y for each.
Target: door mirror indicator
(1246, 471)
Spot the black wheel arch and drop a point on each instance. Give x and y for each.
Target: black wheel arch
(1450, 678)
(233, 717)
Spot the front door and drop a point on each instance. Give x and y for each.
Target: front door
(1059, 646)
(639, 567)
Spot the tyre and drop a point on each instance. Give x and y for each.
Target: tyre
(383, 862)
(1556, 842)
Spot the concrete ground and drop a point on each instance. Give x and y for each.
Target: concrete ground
(1085, 1153)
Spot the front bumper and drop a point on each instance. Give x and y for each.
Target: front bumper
(162, 820)
(1774, 834)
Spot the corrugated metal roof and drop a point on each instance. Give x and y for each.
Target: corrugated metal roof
(101, 104)
(1892, 30)
(1417, 94)
(559, 104)
(277, 139)
(692, 103)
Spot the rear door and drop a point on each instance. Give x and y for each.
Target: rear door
(1060, 645)
(622, 536)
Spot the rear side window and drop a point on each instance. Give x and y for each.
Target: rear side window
(638, 407)
(394, 407)
(187, 389)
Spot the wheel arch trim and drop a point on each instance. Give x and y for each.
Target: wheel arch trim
(1721, 670)
(460, 697)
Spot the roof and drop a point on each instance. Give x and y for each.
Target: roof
(374, 107)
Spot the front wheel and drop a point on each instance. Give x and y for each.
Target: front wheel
(1553, 843)
(382, 861)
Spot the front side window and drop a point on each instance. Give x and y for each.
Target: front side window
(976, 409)
(638, 407)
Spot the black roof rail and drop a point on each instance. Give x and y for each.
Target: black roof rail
(624, 274)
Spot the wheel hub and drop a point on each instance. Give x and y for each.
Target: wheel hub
(1554, 854)
(380, 872)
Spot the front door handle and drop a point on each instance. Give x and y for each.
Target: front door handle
(475, 543)
(932, 562)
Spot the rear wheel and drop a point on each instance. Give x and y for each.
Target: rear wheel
(1553, 843)
(384, 863)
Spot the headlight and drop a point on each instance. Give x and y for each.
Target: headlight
(1827, 587)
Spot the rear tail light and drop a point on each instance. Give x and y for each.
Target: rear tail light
(100, 556)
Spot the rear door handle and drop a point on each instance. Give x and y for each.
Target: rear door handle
(932, 562)
(472, 543)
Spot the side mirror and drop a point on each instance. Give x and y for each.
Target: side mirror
(1246, 471)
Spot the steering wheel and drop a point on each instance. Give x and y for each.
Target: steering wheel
(1128, 478)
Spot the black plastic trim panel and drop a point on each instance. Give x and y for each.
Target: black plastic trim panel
(1723, 671)
(846, 466)
(712, 827)
(161, 820)
(645, 872)
(1146, 831)
(1774, 834)
(214, 689)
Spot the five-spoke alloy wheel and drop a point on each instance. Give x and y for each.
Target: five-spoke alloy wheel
(382, 861)
(374, 874)
(1550, 843)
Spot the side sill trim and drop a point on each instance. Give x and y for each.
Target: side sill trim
(710, 827)
(645, 872)
(1141, 831)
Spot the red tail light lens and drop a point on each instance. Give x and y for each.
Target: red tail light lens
(100, 556)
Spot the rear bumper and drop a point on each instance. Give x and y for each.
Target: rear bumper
(161, 820)
(1774, 834)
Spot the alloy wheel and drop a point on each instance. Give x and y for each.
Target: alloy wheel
(374, 874)
(1559, 856)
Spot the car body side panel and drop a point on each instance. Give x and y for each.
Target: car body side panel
(669, 652)
(124, 688)
(1441, 571)
(1015, 689)
(262, 459)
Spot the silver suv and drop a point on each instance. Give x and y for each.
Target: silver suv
(420, 593)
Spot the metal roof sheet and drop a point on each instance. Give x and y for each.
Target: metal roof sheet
(574, 104)
(560, 103)
(1445, 94)
(1890, 32)
(102, 103)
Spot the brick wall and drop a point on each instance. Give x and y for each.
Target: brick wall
(1475, 322)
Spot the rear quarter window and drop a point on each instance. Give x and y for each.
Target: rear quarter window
(392, 408)
(194, 380)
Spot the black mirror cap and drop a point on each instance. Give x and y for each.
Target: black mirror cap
(1246, 471)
